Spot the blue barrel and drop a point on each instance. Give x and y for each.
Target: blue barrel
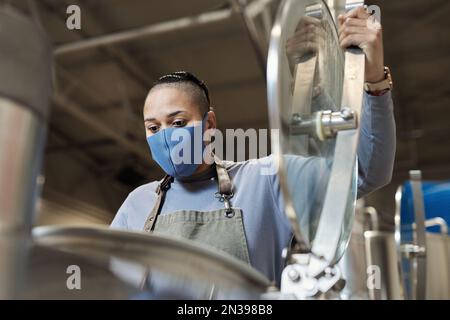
(437, 203)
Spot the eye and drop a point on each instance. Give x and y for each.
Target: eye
(152, 128)
(179, 123)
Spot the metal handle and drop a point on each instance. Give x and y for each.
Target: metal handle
(438, 221)
(371, 214)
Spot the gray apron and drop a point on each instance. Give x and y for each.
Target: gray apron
(221, 229)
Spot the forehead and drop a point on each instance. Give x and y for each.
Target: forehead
(165, 99)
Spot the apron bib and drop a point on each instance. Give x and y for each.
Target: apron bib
(221, 229)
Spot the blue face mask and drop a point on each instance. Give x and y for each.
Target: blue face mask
(178, 151)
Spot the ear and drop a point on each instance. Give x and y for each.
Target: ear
(211, 122)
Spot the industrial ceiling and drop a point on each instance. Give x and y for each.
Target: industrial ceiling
(96, 152)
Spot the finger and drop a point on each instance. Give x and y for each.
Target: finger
(299, 49)
(354, 40)
(353, 30)
(304, 24)
(301, 32)
(358, 12)
(307, 21)
(316, 38)
(308, 47)
(373, 23)
(354, 22)
(302, 50)
(309, 33)
(309, 28)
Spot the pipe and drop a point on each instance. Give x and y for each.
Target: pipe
(203, 19)
(137, 33)
(252, 34)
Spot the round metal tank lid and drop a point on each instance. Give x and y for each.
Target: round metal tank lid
(25, 61)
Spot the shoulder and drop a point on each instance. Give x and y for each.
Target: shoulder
(260, 165)
(142, 192)
(254, 173)
(145, 188)
(269, 165)
(129, 214)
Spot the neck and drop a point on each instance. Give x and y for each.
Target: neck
(202, 168)
(203, 172)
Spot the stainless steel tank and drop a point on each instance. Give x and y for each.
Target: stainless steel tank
(25, 81)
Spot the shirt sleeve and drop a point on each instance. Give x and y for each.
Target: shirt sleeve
(377, 143)
(376, 152)
(120, 220)
(134, 210)
(308, 176)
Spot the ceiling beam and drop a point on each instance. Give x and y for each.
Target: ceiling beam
(78, 113)
(203, 19)
(145, 31)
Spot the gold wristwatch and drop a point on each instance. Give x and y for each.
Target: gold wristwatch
(381, 87)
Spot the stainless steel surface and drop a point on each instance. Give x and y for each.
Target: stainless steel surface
(25, 61)
(381, 256)
(335, 225)
(278, 84)
(181, 260)
(357, 264)
(331, 233)
(13, 248)
(438, 221)
(353, 262)
(398, 237)
(24, 91)
(283, 83)
(46, 274)
(371, 215)
(297, 284)
(25, 64)
(336, 7)
(425, 270)
(324, 124)
(419, 261)
(354, 269)
(330, 222)
(22, 138)
(438, 266)
(333, 122)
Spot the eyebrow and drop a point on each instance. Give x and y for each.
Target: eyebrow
(172, 114)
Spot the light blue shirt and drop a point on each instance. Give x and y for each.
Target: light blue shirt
(266, 227)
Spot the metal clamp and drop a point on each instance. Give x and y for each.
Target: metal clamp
(324, 124)
(225, 198)
(297, 282)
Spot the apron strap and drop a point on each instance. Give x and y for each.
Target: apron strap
(225, 185)
(161, 191)
(225, 193)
